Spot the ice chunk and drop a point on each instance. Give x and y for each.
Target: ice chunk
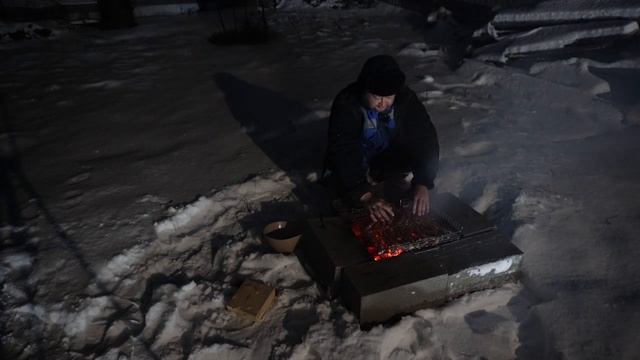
(549, 12)
(553, 37)
(419, 49)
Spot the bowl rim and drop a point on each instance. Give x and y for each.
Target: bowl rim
(275, 225)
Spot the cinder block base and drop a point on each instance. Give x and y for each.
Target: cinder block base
(379, 291)
(481, 262)
(327, 247)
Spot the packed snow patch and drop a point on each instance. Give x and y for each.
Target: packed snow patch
(206, 209)
(419, 49)
(106, 84)
(488, 198)
(427, 334)
(18, 263)
(120, 266)
(529, 205)
(475, 149)
(313, 116)
(221, 352)
(571, 73)
(477, 80)
(35, 310)
(79, 323)
(283, 270)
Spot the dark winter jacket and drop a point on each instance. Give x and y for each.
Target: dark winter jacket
(415, 135)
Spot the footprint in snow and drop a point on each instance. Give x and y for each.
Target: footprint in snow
(487, 199)
(406, 339)
(480, 195)
(297, 323)
(483, 322)
(72, 198)
(475, 149)
(79, 178)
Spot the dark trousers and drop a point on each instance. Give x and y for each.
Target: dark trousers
(390, 164)
(390, 169)
(387, 172)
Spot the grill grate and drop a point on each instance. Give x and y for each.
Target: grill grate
(405, 233)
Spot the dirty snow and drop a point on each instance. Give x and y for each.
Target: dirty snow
(148, 198)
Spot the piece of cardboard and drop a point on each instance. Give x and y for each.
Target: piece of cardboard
(252, 300)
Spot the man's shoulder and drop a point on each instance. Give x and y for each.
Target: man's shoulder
(349, 96)
(406, 94)
(406, 100)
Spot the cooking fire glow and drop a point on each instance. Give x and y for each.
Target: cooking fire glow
(406, 232)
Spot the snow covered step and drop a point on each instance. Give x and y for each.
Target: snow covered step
(552, 38)
(563, 11)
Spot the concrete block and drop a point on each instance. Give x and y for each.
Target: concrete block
(379, 291)
(328, 246)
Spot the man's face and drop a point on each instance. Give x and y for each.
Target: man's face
(379, 103)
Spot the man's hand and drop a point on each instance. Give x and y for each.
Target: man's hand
(379, 209)
(420, 200)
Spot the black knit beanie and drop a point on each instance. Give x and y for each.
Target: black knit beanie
(381, 75)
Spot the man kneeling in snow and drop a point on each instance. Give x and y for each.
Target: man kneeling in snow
(378, 129)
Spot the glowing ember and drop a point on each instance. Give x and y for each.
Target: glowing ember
(406, 232)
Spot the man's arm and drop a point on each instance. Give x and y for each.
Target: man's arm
(424, 150)
(379, 209)
(422, 143)
(345, 151)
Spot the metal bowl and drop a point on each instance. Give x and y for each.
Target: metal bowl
(282, 236)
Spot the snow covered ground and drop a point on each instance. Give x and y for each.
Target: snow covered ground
(152, 159)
